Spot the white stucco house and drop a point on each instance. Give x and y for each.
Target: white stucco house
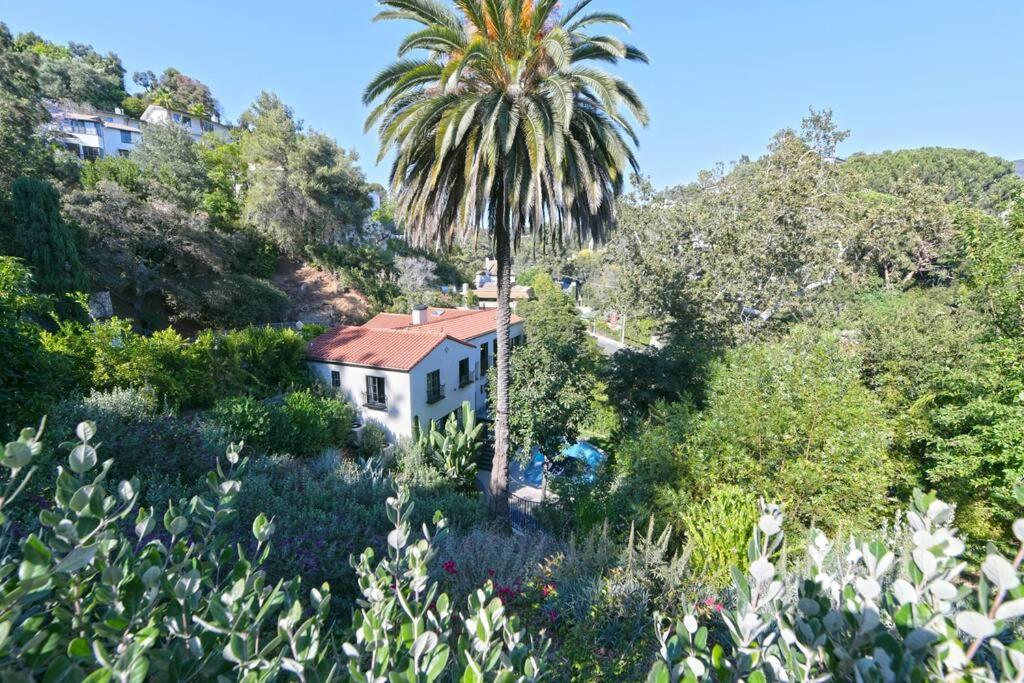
(93, 134)
(197, 126)
(402, 369)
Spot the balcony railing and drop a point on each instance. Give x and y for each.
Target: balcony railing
(435, 394)
(466, 379)
(375, 402)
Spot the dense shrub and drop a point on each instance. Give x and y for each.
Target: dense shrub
(32, 376)
(305, 425)
(124, 172)
(245, 420)
(373, 440)
(188, 374)
(791, 421)
(859, 613)
(717, 533)
(301, 424)
(182, 603)
(32, 228)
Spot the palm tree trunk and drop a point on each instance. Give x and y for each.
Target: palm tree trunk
(503, 254)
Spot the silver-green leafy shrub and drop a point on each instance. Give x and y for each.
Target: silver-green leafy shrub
(105, 591)
(870, 620)
(108, 591)
(404, 630)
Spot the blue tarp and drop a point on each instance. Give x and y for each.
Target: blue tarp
(589, 455)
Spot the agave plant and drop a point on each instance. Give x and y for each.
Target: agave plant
(500, 124)
(453, 449)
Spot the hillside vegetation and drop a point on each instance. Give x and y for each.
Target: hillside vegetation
(816, 474)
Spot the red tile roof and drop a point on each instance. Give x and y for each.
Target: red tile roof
(375, 347)
(460, 324)
(392, 342)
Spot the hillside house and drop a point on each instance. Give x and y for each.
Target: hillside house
(91, 134)
(402, 369)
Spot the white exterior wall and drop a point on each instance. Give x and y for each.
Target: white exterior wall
(445, 358)
(160, 115)
(396, 419)
(112, 144)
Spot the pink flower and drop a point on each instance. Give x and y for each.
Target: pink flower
(449, 567)
(551, 614)
(490, 573)
(547, 589)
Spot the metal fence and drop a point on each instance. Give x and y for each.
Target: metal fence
(521, 514)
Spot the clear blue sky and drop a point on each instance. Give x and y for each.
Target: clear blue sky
(724, 74)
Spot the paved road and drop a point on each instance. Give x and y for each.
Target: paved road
(609, 347)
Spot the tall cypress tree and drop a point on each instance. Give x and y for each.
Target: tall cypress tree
(34, 230)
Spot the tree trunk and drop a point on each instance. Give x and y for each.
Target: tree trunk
(499, 469)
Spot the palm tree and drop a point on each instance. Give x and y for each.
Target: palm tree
(501, 125)
(164, 98)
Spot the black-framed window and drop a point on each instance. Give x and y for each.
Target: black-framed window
(82, 127)
(485, 359)
(495, 343)
(126, 137)
(465, 377)
(376, 397)
(435, 390)
(336, 379)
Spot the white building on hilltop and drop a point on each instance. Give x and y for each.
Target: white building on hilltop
(93, 134)
(400, 370)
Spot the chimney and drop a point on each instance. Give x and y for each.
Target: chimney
(419, 314)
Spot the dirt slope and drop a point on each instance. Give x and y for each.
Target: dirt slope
(318, 297)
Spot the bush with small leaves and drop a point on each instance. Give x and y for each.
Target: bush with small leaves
(870, 620)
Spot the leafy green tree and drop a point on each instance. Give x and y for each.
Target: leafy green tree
(502, 126)
(21, 112)
(741, 252)
(185, 92)
(549, 400)
(171, 164)
(77, 72)
(994, 265)
(552, 321)
(963, 176)
(903, 238)
(791, 421)
(226, 181)
(304, 191)
(33, 229)
(32, 378)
